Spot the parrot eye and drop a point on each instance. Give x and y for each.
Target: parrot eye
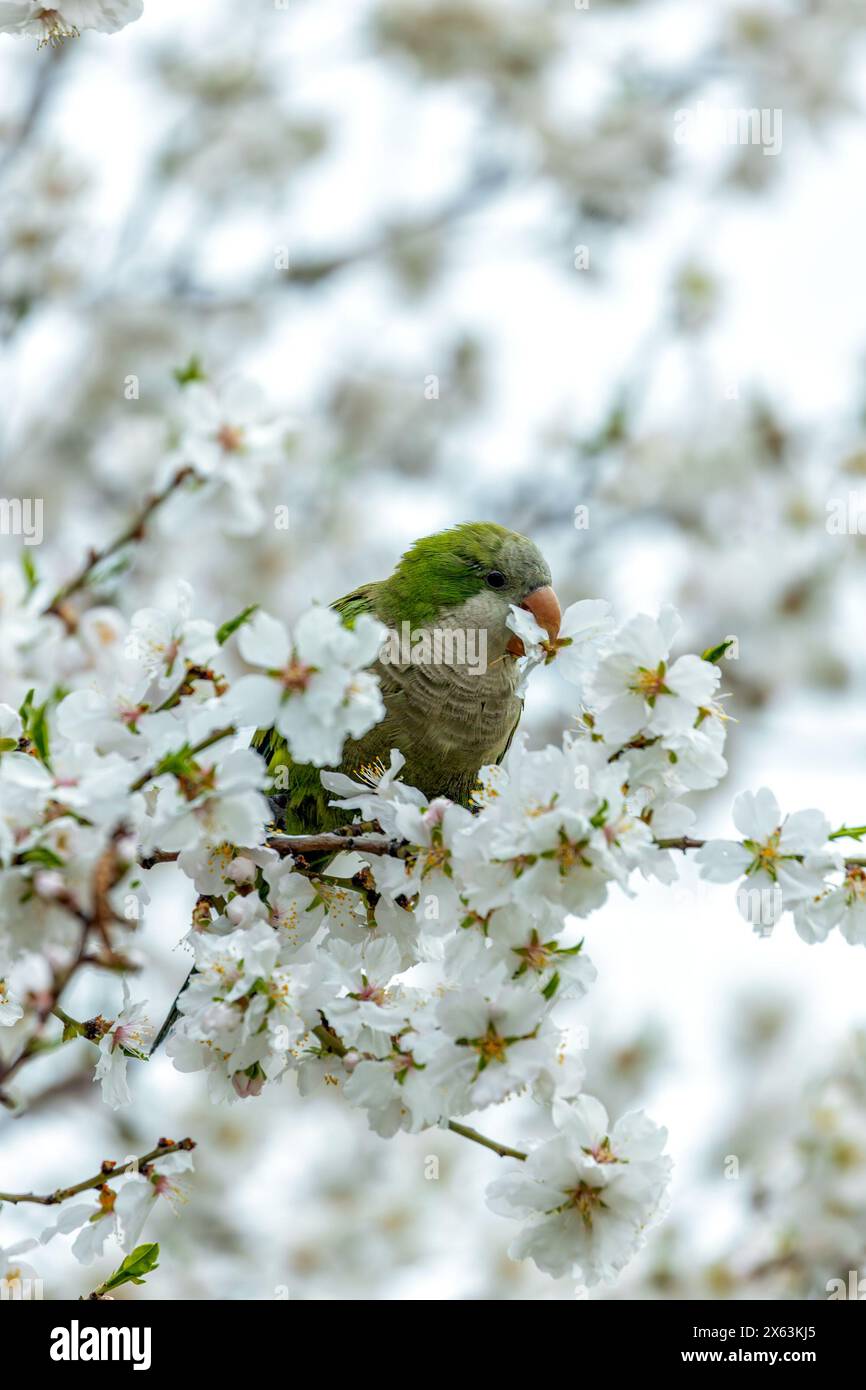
(496, 579)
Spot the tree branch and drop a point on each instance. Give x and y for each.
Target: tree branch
(108, 1171)
(502, 1149)
(331, 843)
(134, 532)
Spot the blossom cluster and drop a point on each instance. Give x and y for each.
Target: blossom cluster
(117, 1210)
(427, 973)
(426, 983)
(790, 863)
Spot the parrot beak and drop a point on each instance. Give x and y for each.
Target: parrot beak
(544, 607)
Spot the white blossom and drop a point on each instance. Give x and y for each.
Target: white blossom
(316, 692)
(51, 24)
(140, 1193)
(781, 859)
(636, 687)
(588, 1195)
(10, 1008)
(127, 1036)
(95, 1224)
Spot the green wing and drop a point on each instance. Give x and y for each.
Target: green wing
(299, 801)
(359, 601)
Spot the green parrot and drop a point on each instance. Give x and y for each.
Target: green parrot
(449, 715)
(454, 707)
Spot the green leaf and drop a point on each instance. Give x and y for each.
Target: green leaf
(30, 572)
(192, 371)
(224, 633)
(142, 1261)
(552, 986)
(35, 721)
(714, 654)
(41, 854)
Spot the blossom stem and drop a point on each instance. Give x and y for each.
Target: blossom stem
(848, 832)
(683, 842)
(503, 1150)
(107, 1172)
(332, 1042)
(286, 845)
(227, 732)
(34, 1044)
(134, 532)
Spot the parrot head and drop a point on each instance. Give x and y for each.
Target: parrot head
(469, 576)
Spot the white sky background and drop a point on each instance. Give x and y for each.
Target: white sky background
(793, 319)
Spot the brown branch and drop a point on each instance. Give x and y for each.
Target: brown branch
(107, 872)
(34, 1045)
(502, 1149)
(134, 532)
(108, 1171)
(682, 842)
(685, 842)
(331, 843)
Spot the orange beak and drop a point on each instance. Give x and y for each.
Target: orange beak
(544, 607)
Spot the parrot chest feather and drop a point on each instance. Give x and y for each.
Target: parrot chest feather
(446, 721)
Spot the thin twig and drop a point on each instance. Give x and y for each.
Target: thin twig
(107, 1172)
(332, 843)
(332, 1042)
(227, 732)
(134, 532)
(503, 1150)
